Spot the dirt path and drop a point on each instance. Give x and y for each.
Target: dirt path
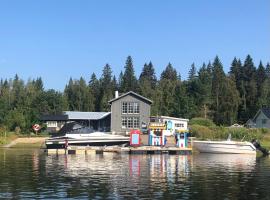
(27, 140)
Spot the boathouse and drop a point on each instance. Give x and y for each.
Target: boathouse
(99, 121)
(129, 111)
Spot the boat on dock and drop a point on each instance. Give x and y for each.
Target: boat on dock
(85, 136)
(227, 146)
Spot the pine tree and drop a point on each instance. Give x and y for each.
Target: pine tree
(148, 73)
(94, 86)
(205, 85)
(217, 86)
(260, 78)
(129, 78)
(169, 73)
(192, 72)
(267, 70)
(107, 88)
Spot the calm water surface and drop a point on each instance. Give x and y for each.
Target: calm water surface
(31, 174)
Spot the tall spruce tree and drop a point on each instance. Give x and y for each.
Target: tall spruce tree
(217, 87)
(94, 86)
(129, 79)
(205, 86)
(107, 88)
(192, 72)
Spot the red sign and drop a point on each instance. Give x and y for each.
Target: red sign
(36, 127)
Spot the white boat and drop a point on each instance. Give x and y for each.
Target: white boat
(227, 146)
(85, 136)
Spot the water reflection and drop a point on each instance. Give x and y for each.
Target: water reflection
(35, 175)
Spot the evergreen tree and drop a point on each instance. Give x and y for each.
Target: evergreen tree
(148, 73)
(260, 78)
(94, 86)
(147, 81)
(267, 70)
(217, 87)
(169, 73)
(129, 78)
(192, 72)
(107, 88)
(205, 85)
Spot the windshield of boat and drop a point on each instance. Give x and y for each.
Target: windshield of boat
(82, 130)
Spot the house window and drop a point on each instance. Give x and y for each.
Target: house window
(179, 125)
(52, 124)
(130, 122)
(130, 108)
(135, 122)
(124, 122)
(264, 121)
(124, 107)
(136, 108)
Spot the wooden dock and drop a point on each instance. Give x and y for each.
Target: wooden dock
(127, 150)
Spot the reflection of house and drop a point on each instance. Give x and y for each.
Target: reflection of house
(129, 111)
(96, 120)
(260, 120)
(172, 123)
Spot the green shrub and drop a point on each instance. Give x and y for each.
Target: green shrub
(202, 122)
(201, 132)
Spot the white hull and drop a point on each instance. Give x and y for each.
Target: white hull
(231, 147)
(87, 139)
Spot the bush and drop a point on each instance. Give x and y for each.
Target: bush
(201, 132)
(202, 122)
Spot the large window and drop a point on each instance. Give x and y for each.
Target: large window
(130, 108)
(130, 122)
(124, 107)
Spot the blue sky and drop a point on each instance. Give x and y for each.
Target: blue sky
(57, 40)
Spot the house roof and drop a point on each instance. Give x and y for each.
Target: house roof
(75, 115)
(53, 117)
(134, 94)
(265, 111)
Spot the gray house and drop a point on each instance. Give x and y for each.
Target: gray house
(260, 120)
(129, 111)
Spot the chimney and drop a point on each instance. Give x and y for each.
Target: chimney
(116, 94)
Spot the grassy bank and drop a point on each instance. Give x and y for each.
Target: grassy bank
(22, 140)
(206, 130)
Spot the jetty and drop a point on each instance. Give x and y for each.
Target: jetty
(87, 150)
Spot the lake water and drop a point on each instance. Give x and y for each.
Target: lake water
(32, 174)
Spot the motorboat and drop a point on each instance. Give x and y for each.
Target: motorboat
(85, 136)
(227, 146)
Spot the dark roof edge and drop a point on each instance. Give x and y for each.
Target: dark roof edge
(131, 92)
(265, 111)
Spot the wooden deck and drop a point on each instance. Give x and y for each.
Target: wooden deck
(127, 150)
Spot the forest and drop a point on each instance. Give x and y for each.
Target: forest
(208, 92)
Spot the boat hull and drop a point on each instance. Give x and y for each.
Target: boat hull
(224, 147)
(61, 143)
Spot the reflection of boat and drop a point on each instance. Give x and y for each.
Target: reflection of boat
(227, 146)
(85, 136)
(240, 162)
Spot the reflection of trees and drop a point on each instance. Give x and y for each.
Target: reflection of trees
(31, 174)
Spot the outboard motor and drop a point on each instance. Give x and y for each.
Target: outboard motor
(259, 147)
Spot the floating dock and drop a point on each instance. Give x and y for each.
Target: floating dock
(127, 150)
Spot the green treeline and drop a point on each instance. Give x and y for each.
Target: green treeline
(208, 92)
